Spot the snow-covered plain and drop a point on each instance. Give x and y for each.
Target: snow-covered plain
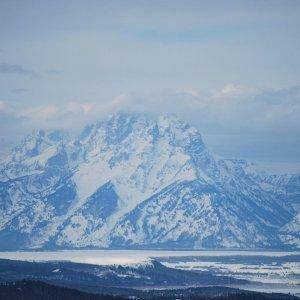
(107, 257)
(275, 271)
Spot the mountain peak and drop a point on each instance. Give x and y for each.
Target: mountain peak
(33, 153)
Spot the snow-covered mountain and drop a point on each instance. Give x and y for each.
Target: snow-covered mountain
(135, 181)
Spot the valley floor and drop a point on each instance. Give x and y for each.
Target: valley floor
(264, 271)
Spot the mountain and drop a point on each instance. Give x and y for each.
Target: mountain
(136, 181)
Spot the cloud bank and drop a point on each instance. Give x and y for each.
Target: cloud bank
(229, 110)
(227, 117)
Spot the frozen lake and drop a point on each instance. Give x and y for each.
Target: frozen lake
(281, 269)
(103, 257)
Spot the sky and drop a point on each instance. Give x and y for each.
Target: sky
(230, 68)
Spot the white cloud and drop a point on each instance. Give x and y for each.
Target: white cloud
(229, 110)
(5, 107)
(232, 91)
(232, 110)
(39, 113)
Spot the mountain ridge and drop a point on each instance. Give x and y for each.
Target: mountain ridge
(133, 181)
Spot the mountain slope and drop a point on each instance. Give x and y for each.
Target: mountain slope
(190, 214)
(134, 181)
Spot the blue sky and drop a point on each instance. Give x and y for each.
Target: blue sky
(234, 63)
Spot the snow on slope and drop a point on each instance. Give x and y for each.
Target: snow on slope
(140, 182)
(290, 233)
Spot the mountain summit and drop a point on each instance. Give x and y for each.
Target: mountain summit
(136, 181)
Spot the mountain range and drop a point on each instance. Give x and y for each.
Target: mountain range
(134, 181)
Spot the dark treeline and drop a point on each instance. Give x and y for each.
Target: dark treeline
(31, 290)
(36, 290)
